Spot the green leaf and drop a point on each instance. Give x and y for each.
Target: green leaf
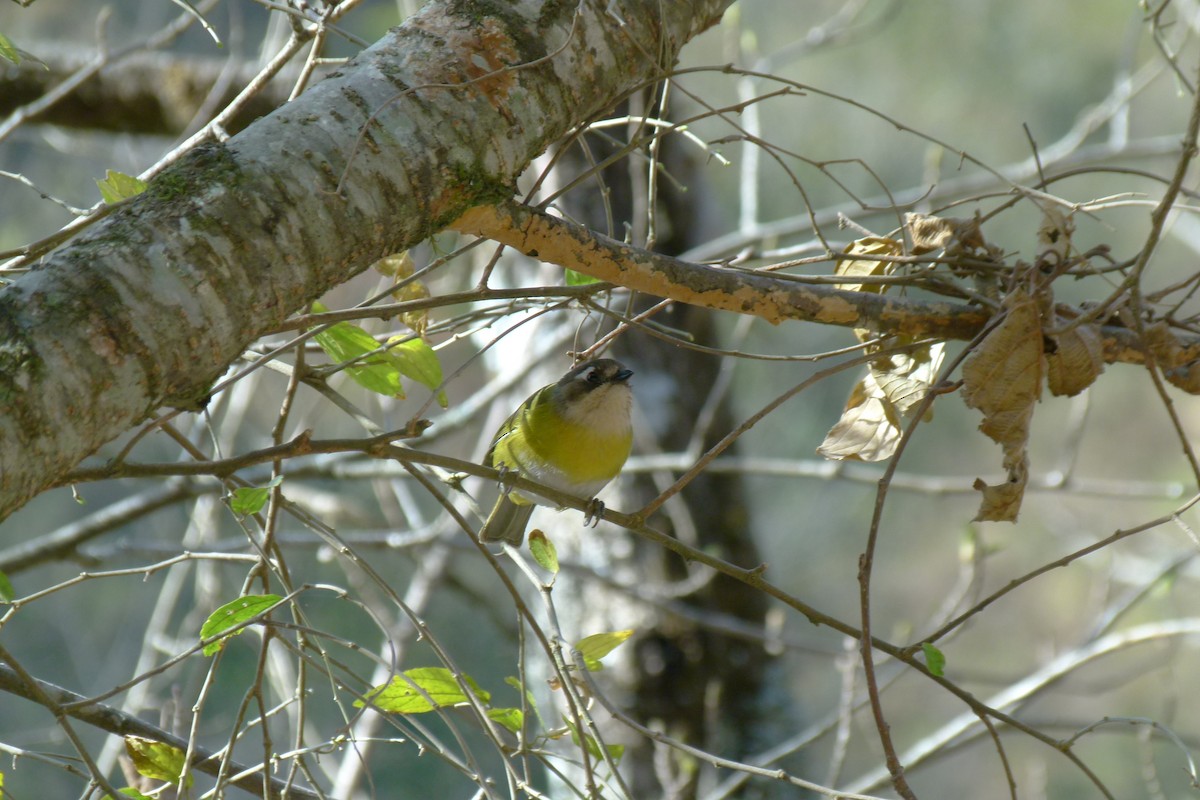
(233, 614)
(935, 660)
(402, 697)
(344, 342)
(543, 551)
(7, 51)
(416, 359)
(598, 645)
(615, 751)
(118, 186)
(511, 718)
(251, 499)
(579, 279)
(6, 596)
(156, 760)
(129, 791)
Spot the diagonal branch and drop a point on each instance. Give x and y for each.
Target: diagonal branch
(119, 723)
(149, 306)
(557, 241)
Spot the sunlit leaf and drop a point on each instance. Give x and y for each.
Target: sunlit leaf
(248, 500)
(543, 551)
(868, 429)
(233, 614)
(598, 645)
(415, 359)
(578, 278)
(510, 718)
(156, 760)
(128, 791)
(345, 343)
(118, 186)
(438, 684)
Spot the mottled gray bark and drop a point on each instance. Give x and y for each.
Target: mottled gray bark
(150, 305)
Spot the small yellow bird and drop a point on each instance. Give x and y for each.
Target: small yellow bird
(573, 435)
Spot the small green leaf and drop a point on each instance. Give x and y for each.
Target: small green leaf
(615, 751)
(598, 645)
(510, 718)
(250, 499)
(416, 359)
(233, 614)
(344, 342)
(7, 51)
(935, 660)
(156, 760)
(6, 596)
(118, 186)
(579, 279)
(543, 551)
(402, 697)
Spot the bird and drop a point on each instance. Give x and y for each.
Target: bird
(573, 435)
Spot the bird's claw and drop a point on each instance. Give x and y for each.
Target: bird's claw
(593, 513)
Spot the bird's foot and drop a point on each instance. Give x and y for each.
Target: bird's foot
(593, 513)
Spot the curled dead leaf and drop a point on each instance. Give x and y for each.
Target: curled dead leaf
(1076, 360)
(1002, 502)
(1003, 379)
(952, 234)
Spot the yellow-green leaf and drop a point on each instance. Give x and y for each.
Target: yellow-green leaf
(128, 791)
(156, 760)
(401, 694)
(6, 596)
(118, 186)
(615, 751)
(417, 360)
(345, 343)
(579, 279)
(233, 614)
(598, 645)
(543, 551)
(510, 718)
(9, 53)
(248, 500)
(935, 660)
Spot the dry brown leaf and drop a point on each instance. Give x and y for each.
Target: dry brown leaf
(1003, 379)
(1002, 502)
(929, 233)
(399, 267)
(1054, 237)
(1076, 361)
(867, 431)
(860, 267)
(1186, 377)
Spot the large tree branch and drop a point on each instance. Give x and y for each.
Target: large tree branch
(442, 114)
(775, 299)
(152, 93)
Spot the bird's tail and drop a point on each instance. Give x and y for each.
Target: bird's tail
(507, 522)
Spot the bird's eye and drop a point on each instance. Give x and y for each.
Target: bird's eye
(593, 377)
